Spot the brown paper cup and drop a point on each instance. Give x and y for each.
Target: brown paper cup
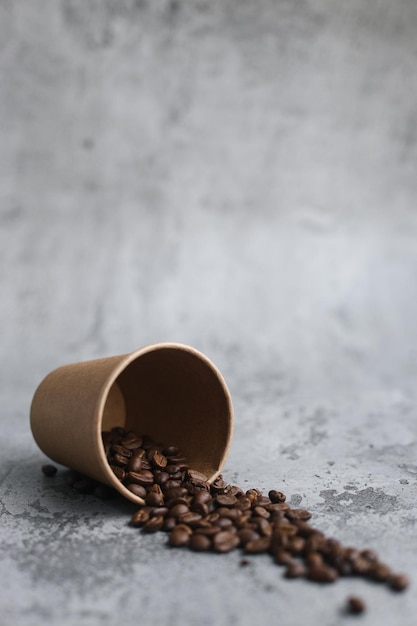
(169, 391)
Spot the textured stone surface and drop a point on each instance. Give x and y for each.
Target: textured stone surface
(239, 176)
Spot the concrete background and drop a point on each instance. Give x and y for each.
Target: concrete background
(241, 177)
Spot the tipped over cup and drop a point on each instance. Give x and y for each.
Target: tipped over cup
(168, 391)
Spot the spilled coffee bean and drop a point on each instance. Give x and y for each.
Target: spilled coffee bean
(218, 517)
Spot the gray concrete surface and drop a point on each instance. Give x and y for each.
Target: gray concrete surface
(241, 177)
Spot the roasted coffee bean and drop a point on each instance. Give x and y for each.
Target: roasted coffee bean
(179, 536)
(141, 516)
(225, 541)
(224, 522)
(276, 496)
(355, 605)
(201, 509)
(159, 510)
(190, 518)
(121, 451)
(135, 463)
(138, 490)
(196, 477)
(178, 510)
(170, 451)
(263, 526)
(132, 442)
(219, 485)
(232, 514)
(380, 572)
(282, 557)
(200, 542)
(295, 569)
(257, 546)
(172, 484)
(161, 478)
(153, 524)
(153, 498)
(144, 478)
(49, 470)
(202, 497)
(208, 530)
(322, 574)
(157, 459)
(296, 545)
(260, 511)
(244, 503)
(399, 582)
(247, 534)
(119, 459)
(298, 514)
(221, 517)
(169, 524)
(174, 492)
(225, 500)
(314, 559)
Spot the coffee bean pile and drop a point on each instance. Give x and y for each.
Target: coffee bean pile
(219, 517)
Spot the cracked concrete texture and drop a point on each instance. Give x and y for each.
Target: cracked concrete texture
(238, 176)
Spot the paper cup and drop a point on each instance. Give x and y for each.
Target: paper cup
(169, 391)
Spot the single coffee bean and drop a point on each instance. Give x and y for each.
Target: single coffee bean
(153, 524)
(202, 497)
(141, 516)
(119, 459)
(132, 442)
(170, 451)
(299, 514)
(121, 451)
(49, 470)
(380, 572)
(296, 545)
(135, 463)
(355, 605)
(144, 478)
(157, 459)
(282, 557)
(399, 582)
(200, 542)
(174, 492)
(169, 524)
(179, 536)
(209, 530)
(196, 477)
(138, 490)
(295, 570)
(178, 510)
(225, 541)
(118, 472)
(276, 496)
(246, 535)
(260, 511)
(218, 486)
(244, 503)
(314, 559)
(161, 478)
(159, 510)
(190, 518)
(257, 546)
(322, 574)
(153, 498)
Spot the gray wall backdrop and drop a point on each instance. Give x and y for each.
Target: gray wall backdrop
(236, 175)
